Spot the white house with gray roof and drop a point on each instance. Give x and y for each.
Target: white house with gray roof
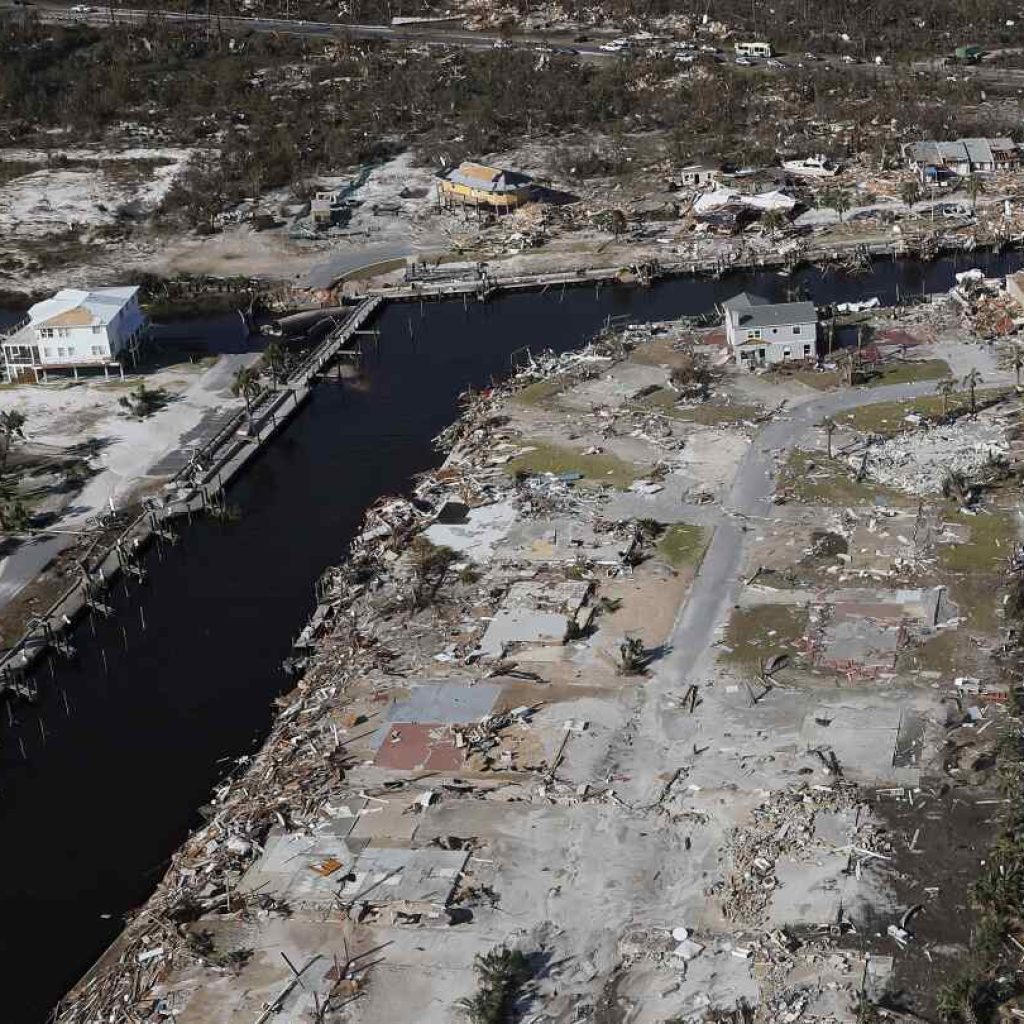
(73, 330)
(763, 333)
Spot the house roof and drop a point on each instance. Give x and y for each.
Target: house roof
(752, 311)
(978, 151)
(975, 151)
(73, 307)
(485, 178)
(952, 152)
(744, 301)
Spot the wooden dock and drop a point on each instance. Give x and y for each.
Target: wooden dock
(484, 286)
(223, 458)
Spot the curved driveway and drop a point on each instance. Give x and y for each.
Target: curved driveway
(717, 583)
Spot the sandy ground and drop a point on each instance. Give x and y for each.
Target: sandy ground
(65, 415)
(413, 229)
(54, 199)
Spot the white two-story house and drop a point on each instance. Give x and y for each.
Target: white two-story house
(762, 333)
(101, 329)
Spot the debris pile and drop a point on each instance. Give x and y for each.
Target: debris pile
(919, 461)
(782, 826)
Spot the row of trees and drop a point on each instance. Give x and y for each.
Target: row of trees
(12, 511)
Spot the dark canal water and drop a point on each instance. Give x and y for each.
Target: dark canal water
(119, 761)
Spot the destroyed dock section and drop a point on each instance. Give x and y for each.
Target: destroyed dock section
(679, 679)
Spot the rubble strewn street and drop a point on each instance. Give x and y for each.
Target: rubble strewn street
(656, 681)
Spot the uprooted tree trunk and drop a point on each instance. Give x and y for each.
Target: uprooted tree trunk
(631, 656)
(957, 487)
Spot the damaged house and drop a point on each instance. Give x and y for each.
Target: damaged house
(478, 185)
(936, 162)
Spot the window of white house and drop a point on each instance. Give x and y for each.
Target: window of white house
(97, 350)
(96, 330)
(62, 332)
(754, 335)
(61, 352)
(796, 329)
(46, 332)
(807, 350)
(785, 353)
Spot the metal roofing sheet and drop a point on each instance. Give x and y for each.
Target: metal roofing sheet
(978, 151)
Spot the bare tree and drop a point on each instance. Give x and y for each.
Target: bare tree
(971, 382)
(829, 426)
(945, 388)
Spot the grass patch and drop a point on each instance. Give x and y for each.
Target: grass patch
(936, 654)
(539, 391)
(683, 545)
(371, 270)
(708, 414)
(978, 565)
(596, 469)
(754, 633)
(662, 352)
(820, 380)
(887, 418)
(901, 372)
(907, 371)
(813, 478)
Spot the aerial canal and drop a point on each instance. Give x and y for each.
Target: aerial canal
(102, 780)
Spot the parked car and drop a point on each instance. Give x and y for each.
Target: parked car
(745, 61)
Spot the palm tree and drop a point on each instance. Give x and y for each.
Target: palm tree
(974, 189)
(617, 222)
(246, 384)
(829, 425)
(944, 389)
(772, 222)
(274, 360)
(12, 428)
(971, 382)
(910, 193)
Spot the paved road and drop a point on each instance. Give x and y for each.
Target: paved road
(448, 35)
(420, 34)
